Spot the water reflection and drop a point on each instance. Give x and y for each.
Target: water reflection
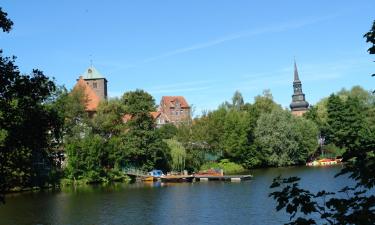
(158, 203)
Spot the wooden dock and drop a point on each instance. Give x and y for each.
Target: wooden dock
(143, 176)
(232, 178)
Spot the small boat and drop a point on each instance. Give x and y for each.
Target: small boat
(148, 179)
(324, 162)
(156, 173)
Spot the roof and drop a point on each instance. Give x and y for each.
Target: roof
(155, 114)
(92, 73)
(128, 117)
(296, 77)
(92, 99)
(170, 101)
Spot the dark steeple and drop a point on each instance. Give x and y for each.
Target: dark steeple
(299, 104)
(296, 77)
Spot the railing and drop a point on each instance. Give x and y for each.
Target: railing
(135, 172)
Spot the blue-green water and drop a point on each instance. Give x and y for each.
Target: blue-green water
(186, 203)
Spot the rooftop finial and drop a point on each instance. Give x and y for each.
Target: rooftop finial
(90, 60)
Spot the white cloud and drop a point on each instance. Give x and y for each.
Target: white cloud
(244, 34)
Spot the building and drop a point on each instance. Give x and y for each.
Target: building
(159, 118)
(96, 81)
(173, 109)
(94, 86)
(299, 105)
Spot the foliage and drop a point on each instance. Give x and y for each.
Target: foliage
(5, 23)
(143, 146)
(28, 126)
(138, 102)
(370, 38)
(331, 150)
(230, 132)
(351, 126)
(227, 166)
(284, 139)
(178, 154)
(167, 131)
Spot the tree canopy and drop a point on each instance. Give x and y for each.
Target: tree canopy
(28, 125)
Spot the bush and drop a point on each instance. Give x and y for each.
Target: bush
(224, 164)
(331, 150)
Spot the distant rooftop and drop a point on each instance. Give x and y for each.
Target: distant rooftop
(92, 73)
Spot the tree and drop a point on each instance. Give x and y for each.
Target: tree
(237, 100)
(5, 23)
(108, 121)
(27, 124)
(358, 207)
(178, 154)
(370, 38)
(284, 139)
(143, 146)
(138, 102)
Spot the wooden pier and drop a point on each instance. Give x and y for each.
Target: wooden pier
(136, 174)
(143, 176)
(232, 178)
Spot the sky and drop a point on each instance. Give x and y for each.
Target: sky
(204, 50)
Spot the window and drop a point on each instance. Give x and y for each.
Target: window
(94, 85)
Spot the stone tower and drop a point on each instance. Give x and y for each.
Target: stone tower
(299, 105)
(96, 81)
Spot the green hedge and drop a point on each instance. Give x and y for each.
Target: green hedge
(224, 164)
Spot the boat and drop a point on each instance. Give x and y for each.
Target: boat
(156, 173)
(148, 179)
(324, 162)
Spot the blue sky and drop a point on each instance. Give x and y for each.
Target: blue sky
(204, 50)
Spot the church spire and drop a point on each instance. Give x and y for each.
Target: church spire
(296, 77)
(299, 105)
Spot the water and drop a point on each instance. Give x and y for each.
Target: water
(186, 203)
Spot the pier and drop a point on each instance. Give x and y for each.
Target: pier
(232, 178)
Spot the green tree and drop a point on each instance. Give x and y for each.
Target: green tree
(108, 120)
(138, 102)
(143, 145)
(237, 100)
(5, 23)
(284, 139)
(27, 124)
(358, 205)
(178, 154)
(370, 38)
(167, 131)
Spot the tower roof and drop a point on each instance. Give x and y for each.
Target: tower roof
(298, 98)
(92, 73)
(296, 77)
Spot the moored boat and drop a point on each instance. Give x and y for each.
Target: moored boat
(148, 179)
(324, 162)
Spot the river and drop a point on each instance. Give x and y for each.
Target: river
(208, 203)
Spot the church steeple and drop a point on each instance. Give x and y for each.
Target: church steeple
(299, 105)
(296, 77)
